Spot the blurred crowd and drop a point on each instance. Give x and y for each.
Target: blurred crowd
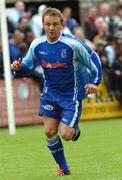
(101, 30)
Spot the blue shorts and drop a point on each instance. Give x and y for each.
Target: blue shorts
(65, 110)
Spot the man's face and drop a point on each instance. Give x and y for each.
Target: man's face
(52, 26)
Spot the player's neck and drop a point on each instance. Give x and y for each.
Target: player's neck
(54, 40)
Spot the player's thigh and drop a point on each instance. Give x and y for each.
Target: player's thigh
(70, 113)
(50, 125)
(66, 131)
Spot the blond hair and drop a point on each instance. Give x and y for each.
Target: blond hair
(52, 12)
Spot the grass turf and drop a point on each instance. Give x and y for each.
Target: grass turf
(96, 156)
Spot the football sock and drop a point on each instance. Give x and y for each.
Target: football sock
(56, 147)
(76, 134)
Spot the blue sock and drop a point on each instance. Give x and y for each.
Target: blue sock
(56, 147)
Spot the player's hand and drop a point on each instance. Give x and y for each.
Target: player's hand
(90, 88)
(16, 65)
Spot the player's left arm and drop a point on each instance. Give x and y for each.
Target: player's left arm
(90, 60)
(94, 65)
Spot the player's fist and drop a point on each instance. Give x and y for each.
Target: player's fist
(16, 65)
(90, 88)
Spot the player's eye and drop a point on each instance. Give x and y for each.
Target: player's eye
(47, 24)
(55, 24)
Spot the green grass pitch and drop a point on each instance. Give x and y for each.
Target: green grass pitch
(96, 156)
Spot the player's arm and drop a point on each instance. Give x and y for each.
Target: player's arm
(96, 71)
(91, 61)
(26, 65)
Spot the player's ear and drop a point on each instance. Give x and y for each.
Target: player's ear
(62, 25)
(61, 28)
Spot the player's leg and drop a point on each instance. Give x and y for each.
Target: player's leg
(66, 131)
(50, 111)
(54, 143)
(50, 126)
(70, 117)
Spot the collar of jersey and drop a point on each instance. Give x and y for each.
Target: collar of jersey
(55, 41)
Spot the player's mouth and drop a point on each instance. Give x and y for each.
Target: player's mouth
(51, 32)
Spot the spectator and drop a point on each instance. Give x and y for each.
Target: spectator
(36, 22)
(119, 1)
(69, 22)
(14, 44)
(100, 49)
(117, 23)
(118, 46)
(89, 24)
(102, 29)
(23, 48)
(116, 76)
(14, 14)
(105, 14)
(79, 33)
(29, 38)
(110, 49)
(23, 26)
(10, 28)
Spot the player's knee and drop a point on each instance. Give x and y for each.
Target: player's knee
(66, 132)
(50, 132)
(67, 136)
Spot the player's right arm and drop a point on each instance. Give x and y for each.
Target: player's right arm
(26, 65)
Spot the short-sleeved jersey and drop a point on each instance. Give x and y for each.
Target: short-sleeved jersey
(68, 65)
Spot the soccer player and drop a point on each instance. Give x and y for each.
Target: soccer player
(72, 70)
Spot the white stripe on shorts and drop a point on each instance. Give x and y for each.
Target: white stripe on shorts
(75, 114)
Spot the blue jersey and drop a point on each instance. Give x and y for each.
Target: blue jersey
(68, 65)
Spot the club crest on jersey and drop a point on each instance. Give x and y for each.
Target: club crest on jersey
(63, 53)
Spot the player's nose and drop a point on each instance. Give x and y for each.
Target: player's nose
(51, 26)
